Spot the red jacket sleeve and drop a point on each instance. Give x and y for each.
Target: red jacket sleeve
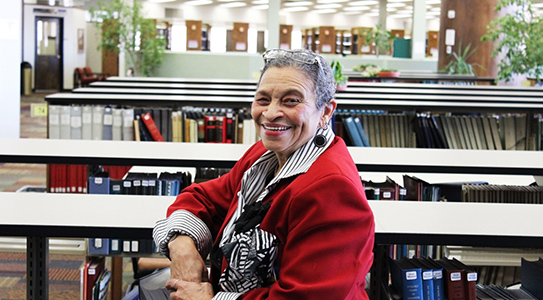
(211, 200)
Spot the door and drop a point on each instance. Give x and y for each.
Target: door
(48, 63)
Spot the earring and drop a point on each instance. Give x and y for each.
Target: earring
(320, 139)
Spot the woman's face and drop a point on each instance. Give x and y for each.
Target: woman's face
(285, 111)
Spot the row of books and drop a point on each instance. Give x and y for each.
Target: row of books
(496, 292)
(140, 183)
(110, 246)
(494, 193)
(358, 127)
(95, 279)
(374, 128)
(64, 178)
(425, 130)
(416, 189)
(430, 279)
(482, 132)
(188, 124)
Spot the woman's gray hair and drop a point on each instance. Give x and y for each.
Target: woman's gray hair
(311, 64)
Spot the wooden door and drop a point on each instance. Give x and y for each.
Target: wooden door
(48, 73)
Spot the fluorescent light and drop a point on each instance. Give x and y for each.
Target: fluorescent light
(258, 2)
(327, 6)
(356, 8)
(298, 3)
(433, 1)
(325, 11)
(261, 7)
(363, 3)
(331, 1)
(233, 4)
(199, 2)
(296, 8)
(395, 4)
(400, 16)
(161, 1)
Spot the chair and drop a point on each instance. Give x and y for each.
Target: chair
(85, 76)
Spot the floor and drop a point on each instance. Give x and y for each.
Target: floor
(64, 268)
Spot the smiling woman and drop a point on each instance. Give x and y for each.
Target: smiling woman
(291, 219)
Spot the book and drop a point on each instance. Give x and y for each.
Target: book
(65, 122)
(98, 246)
(92, 273)
(428, 291)
(128, 124)
(470, 278)
(102, 285)
(454, 280)
(352, 131)
(99, 182)
(107, 124)
(117, 125)
(437, 274)
(532, 276)
(86, 122)
(152, 127)
(361, 132)
(406, 279)
(97, 122)
(54, 121)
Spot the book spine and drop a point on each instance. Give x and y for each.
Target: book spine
(152, 127)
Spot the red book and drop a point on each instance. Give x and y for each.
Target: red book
(151, 126)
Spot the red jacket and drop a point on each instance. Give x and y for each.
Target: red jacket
(321, 218)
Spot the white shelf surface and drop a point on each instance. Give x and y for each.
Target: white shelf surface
(391, 217)
(366, 158)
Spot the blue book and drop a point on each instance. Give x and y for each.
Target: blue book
(406, 279)
(363, 137)
(427, 279)
(353, 132)
(98, 246)
(437, 271)
(99, 182)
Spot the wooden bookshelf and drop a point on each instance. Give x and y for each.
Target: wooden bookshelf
(194, 35)
(285, 36)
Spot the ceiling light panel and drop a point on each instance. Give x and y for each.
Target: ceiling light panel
(298, 3)
(327, 6)
(363, 3)
(325, 11)
(233, 4)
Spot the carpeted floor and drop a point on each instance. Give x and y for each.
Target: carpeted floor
(64, 276)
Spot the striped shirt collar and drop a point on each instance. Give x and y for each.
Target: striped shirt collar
(300, 161)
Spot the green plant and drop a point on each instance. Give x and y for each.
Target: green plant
(337, 68)
(518, 37)
(379, 37)
(124, 28)
(459, 63)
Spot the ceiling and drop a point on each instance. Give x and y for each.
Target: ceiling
(368, 8)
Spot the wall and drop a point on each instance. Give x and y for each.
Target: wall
(74, 19)
(94, 56)
(247, 66)
(10, 64)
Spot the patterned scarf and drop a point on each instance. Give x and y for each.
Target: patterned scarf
(250, 251)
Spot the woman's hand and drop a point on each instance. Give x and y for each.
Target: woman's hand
(187, 264)
(186, 290)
